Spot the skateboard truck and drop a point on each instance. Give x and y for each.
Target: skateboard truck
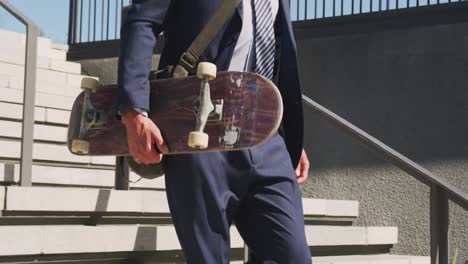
(216, 114)
(198, 139)
(89, 117)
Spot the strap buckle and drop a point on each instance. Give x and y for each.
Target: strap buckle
(188, 60)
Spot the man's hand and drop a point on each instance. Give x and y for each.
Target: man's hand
(142, 135)
(302, 170)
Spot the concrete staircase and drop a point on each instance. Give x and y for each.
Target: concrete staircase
(72, 215)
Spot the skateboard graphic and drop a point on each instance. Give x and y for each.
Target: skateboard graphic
(209, 112)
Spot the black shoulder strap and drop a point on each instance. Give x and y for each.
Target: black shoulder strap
(189, 59)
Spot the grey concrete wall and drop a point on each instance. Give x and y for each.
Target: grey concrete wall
(409, 88)
(106, 69)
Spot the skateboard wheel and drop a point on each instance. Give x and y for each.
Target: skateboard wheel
(198, 140)
(206, 70)
(80, 146)
(89, 84)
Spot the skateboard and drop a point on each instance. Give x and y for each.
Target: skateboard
(212, 111)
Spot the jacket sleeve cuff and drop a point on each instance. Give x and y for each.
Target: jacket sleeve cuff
(139, 110)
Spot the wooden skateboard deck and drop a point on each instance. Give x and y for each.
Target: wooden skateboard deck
(248, 112)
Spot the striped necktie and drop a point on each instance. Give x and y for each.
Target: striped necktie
(264, 38)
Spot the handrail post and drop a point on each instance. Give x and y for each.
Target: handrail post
(121, 173)
(439, 225)
(71, 26)
(72, 22)
(30, 63)
(28, 106)
(75, 21)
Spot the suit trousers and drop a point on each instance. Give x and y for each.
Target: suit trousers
(255, 189)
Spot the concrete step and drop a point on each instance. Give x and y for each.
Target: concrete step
(44, 240)
(366, 259)
(45, 57)
(314, 209)
(14, 44)
(82, 259)
(326, 209)
(10, 149)
(65, 66)
(4, 80)
(49, 200)
(59, 46)
(41, 114)
(61, 102)
(12, 129)
(85, 176)
(57, 54)
(372, 259)
(2, 198)
(45, 63)
(79, 200)
(351, 235)
(68, 239)
(47, 80)
(74, 259)
(14, 41)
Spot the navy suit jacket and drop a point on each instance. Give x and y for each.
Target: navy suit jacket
(181, 21)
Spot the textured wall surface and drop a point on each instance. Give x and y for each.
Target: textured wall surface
(409, 88)
(106, 69)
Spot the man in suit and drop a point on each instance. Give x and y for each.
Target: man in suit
(256, 189)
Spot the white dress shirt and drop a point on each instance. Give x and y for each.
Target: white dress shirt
(244, 49)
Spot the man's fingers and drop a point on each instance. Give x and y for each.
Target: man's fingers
(302, 170)
(156, 157)
(148, 158)
(139, 159)
(301, 180)
(136, 155)
(148, 143)
(304, 174)
(159, 158)
(158, 139)
(142, 133)
(305, 165)
(147, 150)
(141, 154)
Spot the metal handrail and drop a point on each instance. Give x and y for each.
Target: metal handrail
(402, 162)
(28, 95)
(91, 20)
(441, 189)
(319, 9)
